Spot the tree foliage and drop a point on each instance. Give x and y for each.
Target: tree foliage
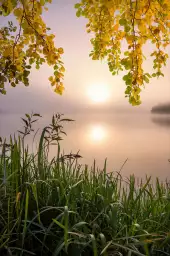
(29, 43)
(120, 29)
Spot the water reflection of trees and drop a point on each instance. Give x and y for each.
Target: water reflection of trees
(161, 120)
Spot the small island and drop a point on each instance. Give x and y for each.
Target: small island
(161, 109)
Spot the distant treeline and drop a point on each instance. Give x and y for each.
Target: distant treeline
(162, 109)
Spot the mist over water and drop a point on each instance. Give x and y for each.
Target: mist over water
(142, 138)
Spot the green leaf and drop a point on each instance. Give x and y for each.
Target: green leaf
(56, 73)
(42, 2)
(128, 82)
(126, 53)
(26, 73)
(127, 28)
(125, 77)
(36, 114)
(13, 84)
(56, 67)
(31, 61)
(42, 60)
(5, 10)
(122, 22)
(148, 75)
(59, 224)
(28, 116)
(159, 74)
(76, 6)
(128, 90)
(78, 13)
(3, 91)
(137, 91)
(26, 81)
(146, 79)
(14, 3)
(28, 66)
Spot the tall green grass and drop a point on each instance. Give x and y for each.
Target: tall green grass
(58, 207)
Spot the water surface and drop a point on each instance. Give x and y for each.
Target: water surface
(142, 138)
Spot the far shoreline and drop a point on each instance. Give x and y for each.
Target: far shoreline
(161, 109)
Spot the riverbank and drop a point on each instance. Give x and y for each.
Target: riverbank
(61, 208)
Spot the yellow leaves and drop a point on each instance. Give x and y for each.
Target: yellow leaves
(168, 24)
(56, 79)
(45, 50)
(62, 69)
(138, 14)
(162, 28)
(50, 79)
(32, 44)
(165, 44)
(106, 37)
(19, 68)
(28, 31)
(130, 39)
(157, 45)
(53, 83)
(142, 27)
(111, 11)
(42, 2)
(50, 38)
(156, 31)
(59, 89)
(26, 40)
(7, 52)
(18, 12)
(95, 57)
(116, 27)
(51, 57)
(60, 50)
(140, 81)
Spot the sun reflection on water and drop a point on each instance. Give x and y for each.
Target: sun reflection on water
(98, 133)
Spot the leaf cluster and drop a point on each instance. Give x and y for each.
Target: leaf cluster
(120, 29)
(28, 44)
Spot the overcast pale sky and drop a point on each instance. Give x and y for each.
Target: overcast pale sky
(81, 73)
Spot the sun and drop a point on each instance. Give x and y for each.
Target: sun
(98, 93)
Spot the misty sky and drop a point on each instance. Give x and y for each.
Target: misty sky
(81, 73)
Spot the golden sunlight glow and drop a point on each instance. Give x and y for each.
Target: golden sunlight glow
(98, 93)
(98, 133)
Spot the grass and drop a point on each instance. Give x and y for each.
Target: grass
(58, 207)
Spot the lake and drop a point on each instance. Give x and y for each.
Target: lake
(143, 139)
